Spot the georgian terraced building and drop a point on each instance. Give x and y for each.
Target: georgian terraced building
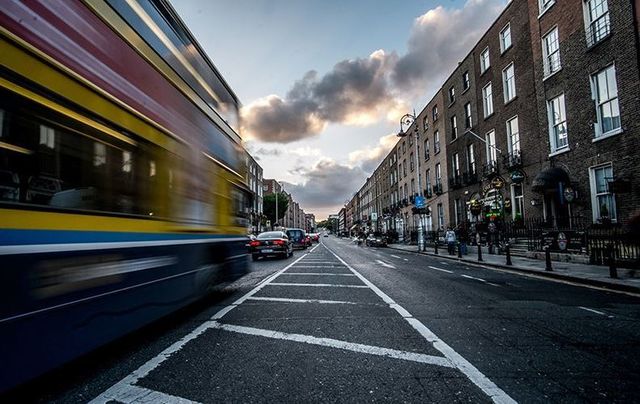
(538, 120)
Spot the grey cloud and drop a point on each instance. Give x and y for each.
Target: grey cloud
(268, 152)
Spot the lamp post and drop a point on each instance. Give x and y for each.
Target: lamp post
(405, 123)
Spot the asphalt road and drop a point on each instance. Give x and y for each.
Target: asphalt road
(342, 323)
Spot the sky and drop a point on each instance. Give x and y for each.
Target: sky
(323, 83)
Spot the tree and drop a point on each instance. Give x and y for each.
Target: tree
(269, 206)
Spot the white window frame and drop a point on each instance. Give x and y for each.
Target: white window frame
(505, 38)
(551, 60)
(456, 164)
(440, 216)
(595, 195)
(454, 127)
(452, 95)
(466, 81)
(517, 200)
(485, 61)
(513, 136)
(490, 140)
(471, 160)
(487, 100)
(545, 5)
(509, 83)
(556, 120)
(436, 142)
(596, 27)
(468, 116)
(610, 103)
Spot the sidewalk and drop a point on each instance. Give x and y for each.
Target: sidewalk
(594, 275)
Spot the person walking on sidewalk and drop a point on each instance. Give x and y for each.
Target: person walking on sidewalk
(450, 236)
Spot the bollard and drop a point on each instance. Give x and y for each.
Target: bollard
(459, 250)
(507, 250)
(436, 247)
(547, 259)
(479, 253)
(613, 271)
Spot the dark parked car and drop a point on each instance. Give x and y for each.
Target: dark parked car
(271, 243)
(298, 237)
(373, 241)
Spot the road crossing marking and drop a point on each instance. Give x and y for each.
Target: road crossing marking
(494, 392)
(322, 285)
(440, 269)
(334, 343)
(316, 274)
(595, 311)
(319, 266)
(287, 300)
(384, 264)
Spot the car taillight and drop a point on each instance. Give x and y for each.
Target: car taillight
(254, 243)
(279, 242)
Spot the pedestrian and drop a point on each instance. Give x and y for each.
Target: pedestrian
(450, 236)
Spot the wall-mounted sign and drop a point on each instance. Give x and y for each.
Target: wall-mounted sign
(569, 194)
(517, 177)
(497, 183)
(420, 202)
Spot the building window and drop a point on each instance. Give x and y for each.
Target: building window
(413, 187)
(440, 217)
(452, 95)
(425, 123)
(426, 149)
(517, 201)
(557, 124)
(605, 95)
(487, 100)
(471, 160)
(458, 211)
(456, 165)
(428, 179)
(434, 113)
(551, 52)
(505, 38)
(484, 60)
(509, 83)
(404, 167)
(603, 202)
(438, 174)
(597, 25)
(545, 5)
(513, 135)
(466, 83)
(404, 148)
(468, 121)
(490, 139)
(436, 142)
(454, 127)
(411, 166)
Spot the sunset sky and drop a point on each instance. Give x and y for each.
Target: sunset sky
(324, 82)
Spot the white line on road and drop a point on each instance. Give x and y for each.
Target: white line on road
(444, 263)
(322, 285)
(395, 256)
(384, 264)
(318, 262)
(477, 279)
(478, 378)
(315, 274)
(286, 300)
(334, 343)
(594, 311)
(440, 269)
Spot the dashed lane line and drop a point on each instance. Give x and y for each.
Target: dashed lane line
(287, 300)
(440, 269)
(595, 311)
(384, 264)
(395, 256)
(334, 343)
(315, 274)
(319, 285)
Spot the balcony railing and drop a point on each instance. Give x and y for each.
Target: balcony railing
(513, 159)
(470, 178)
(437, 188)
(490, 169)
(598, 30)
(455, 182)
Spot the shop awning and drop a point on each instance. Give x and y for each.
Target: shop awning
(549, 179)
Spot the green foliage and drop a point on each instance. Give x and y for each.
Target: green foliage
(269, 206)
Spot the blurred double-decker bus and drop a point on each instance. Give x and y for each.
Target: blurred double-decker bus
(121, 178)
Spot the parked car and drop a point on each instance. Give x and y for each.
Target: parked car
(271, 243)
(373, 241)
(315, 237)
(298, 237)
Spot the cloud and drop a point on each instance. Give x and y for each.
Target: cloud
(363, 91)
(369, 158)
(439, 39)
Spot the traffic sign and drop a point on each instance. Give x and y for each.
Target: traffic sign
(420, 202)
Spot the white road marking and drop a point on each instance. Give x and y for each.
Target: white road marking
(440, 269)
(334, 343)
(406, 259)
(395, 256)
(320, 266)
(594, 311)
(471, 277)
(444, 263)
(384, 264)
(286, 300)
(320, 285)
(473, 374)
(318, 262)
(315, 274)
(137, 394)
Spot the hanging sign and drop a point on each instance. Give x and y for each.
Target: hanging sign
(517, 177)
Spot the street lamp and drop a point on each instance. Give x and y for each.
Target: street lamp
(405, 122)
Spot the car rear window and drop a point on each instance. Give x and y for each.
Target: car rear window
(270, 234)
(296, 234)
